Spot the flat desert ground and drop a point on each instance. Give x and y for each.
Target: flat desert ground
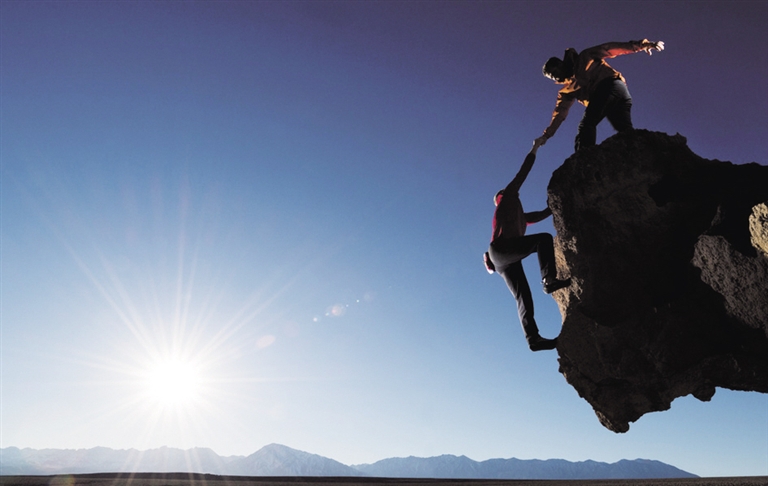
(148, 479)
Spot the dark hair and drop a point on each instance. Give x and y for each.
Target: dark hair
(551, 63)
(564, 66)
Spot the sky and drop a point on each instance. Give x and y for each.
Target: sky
(229, 224)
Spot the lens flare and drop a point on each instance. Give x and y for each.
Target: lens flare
(336, 310)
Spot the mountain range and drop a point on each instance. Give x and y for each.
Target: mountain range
(279, 460)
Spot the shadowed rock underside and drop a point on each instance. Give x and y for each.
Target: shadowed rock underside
(667, 252)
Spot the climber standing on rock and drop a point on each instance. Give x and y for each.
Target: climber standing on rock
(509, 245)
(586, 77)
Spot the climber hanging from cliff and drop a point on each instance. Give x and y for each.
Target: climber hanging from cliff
(509, 246)
(586, 77)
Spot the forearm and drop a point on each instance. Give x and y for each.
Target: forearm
(613, 49)
(514, 186)
(536, 216)
(558, 115)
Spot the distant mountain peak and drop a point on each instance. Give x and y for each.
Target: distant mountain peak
(281, 460)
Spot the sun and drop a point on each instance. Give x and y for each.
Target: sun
(173, 383)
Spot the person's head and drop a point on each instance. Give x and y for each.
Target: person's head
(497, 197)
(556, 70)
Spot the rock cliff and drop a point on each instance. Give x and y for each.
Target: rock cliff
(668, 253)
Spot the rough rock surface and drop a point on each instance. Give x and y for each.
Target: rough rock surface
(667, 252)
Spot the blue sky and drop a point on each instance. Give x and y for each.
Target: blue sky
(283, 207)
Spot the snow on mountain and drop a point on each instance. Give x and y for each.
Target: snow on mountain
(279, 460)
(461, 467)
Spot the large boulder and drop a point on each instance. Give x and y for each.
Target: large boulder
(667, 253)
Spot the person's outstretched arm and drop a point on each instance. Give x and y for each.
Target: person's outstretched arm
(613, 49)
(525, 169)
(564, 103)
(536, 216)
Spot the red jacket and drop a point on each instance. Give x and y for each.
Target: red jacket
(509, 219)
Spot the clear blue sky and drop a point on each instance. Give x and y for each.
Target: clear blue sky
(283, 205)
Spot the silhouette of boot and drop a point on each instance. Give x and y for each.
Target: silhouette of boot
(554, 285)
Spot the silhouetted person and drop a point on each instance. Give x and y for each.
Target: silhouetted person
(586, 77)
(509, 246)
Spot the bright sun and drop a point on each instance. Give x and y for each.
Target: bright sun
(174, 383)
